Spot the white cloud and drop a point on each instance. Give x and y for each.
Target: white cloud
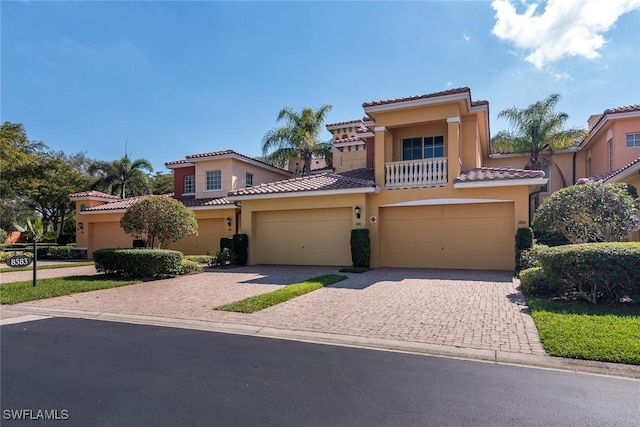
(564, 28)
(466, 36)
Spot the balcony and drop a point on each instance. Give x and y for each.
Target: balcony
(416, 173)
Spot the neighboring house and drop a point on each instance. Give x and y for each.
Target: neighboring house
(612, 142)
(201, 182)
(412, 172)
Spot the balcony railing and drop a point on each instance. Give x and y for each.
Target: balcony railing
(416, 173)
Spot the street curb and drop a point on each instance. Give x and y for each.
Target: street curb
(488, 356)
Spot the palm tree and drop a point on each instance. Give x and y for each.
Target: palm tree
(538, 132)
(299, 137)
(123, 175)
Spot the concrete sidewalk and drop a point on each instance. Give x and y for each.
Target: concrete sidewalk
(468, 314)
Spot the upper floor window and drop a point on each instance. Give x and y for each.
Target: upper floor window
(189, 184)
(633, 140)
(214, 180)
(249, 179)
(422, 147)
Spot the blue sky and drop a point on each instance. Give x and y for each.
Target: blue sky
(178, 78)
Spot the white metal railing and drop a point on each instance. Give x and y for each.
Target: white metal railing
(416, 173)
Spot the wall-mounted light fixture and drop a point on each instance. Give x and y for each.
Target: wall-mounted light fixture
(80, 226)
(228, 221)
(357, 211)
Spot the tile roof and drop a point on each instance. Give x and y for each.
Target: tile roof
(350, 139)
(189, 202)
(609, 111)
(189, 158)
(348, 122)
(417, 97)
(359, 178)
(608, 175)
(93, 193)
(497, 174)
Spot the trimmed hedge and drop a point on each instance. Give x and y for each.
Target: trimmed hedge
(598, 271)
(190, 266)
(529, 258)
(360, 248)
(138, 263)
(534, 281)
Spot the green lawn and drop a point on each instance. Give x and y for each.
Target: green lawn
(47, 266)
(260, 302)
(13, 293)
(584, 332)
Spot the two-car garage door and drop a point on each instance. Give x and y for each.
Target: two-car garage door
(303, 237)
(471, 236)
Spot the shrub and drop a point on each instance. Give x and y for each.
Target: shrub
(221, 258)
(3, 236)
(190, 266)
(200, 259)
(62, 252)
(529, 258)
(5, 255)
(524, 238)
(240, 249)
(138, 262)
(594, 212)
(65, 238)
(597, 271)
(360, 248)
(534, 281)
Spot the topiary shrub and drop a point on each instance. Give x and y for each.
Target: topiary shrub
(240, 249)
(524, 242)
(597, 271)
(139, 263)
(360, 248)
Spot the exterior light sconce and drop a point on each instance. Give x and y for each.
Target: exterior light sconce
(358, 211)
(228, 221)
(80, 226)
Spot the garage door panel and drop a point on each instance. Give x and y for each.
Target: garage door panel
(450, 236)
(303, 237)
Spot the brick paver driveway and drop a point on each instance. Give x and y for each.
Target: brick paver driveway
(466, 309)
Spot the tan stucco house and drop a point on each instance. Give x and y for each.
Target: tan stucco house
(414, 171)
(411, 171)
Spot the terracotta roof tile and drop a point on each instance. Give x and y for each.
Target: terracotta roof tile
(189, 202)
(93, 193)
(497, 174)
(190, 158)
(359, 178)
(348, 140)
(609, 111)
(608, 175)
(118, 204)
(348, 122)
(192, 202)
(417, 97)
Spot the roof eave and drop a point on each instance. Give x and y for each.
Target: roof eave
(501, 183)
(462, 96)
(285, 195)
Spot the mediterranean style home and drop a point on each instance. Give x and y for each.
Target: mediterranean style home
(417, 172)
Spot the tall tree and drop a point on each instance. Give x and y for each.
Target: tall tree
(123, 175)
(17, 159)
(161, 183)
(298, 137)
(536, 131)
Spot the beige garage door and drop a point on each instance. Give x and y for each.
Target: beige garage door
(303, 237)
(470, 236)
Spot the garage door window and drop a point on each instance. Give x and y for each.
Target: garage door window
(423, 147)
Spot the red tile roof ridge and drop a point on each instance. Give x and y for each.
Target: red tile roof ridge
(417, 97)
(348, 122)
(93, 193)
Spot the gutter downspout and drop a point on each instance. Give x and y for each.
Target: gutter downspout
(535, 193)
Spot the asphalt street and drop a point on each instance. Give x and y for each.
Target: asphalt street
(92, 373)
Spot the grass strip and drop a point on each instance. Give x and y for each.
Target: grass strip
(47, 266)
(16, 292)
(262, 301)
(591, 333)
